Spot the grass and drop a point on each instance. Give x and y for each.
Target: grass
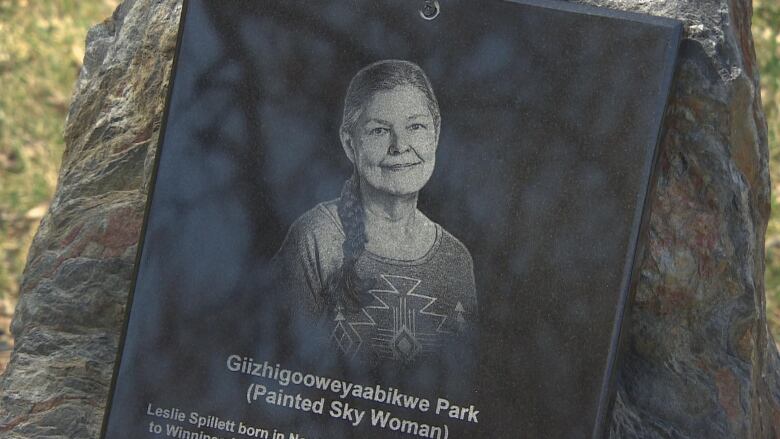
(41, 49)
(766, 33)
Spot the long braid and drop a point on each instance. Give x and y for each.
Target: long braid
(345, 286)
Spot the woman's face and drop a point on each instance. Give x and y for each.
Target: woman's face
(393, 144)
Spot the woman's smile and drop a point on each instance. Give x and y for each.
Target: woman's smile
(397, 167)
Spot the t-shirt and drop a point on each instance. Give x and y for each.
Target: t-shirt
(414, 309)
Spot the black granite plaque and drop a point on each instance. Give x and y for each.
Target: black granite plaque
(376, 219)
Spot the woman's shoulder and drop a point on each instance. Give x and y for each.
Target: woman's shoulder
(458, 261)
(453, 246)
(321, 219)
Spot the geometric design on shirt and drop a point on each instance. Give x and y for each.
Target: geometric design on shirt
(346, 339)
(459, 310)
(413, 326)
(405, 345)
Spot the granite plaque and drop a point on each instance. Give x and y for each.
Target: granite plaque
(392, 219)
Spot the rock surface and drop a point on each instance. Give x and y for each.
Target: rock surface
(699, 362)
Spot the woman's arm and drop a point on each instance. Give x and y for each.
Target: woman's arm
(309, 255)
(298, 272)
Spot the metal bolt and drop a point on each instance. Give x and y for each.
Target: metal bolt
(430, 9)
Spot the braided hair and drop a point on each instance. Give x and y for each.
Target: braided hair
(345, 286)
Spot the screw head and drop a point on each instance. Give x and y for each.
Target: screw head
(430, 9)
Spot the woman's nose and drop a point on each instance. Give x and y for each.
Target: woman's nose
(399, 143)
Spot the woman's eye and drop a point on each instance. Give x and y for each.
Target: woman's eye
(417, 126)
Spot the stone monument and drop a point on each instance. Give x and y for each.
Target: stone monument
(699, 360)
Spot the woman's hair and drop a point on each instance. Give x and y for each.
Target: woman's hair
(345, 285)
(383, 76)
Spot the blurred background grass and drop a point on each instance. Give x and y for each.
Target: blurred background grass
(766, 33)
(41, 49)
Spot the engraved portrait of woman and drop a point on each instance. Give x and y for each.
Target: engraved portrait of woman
(386, 281)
